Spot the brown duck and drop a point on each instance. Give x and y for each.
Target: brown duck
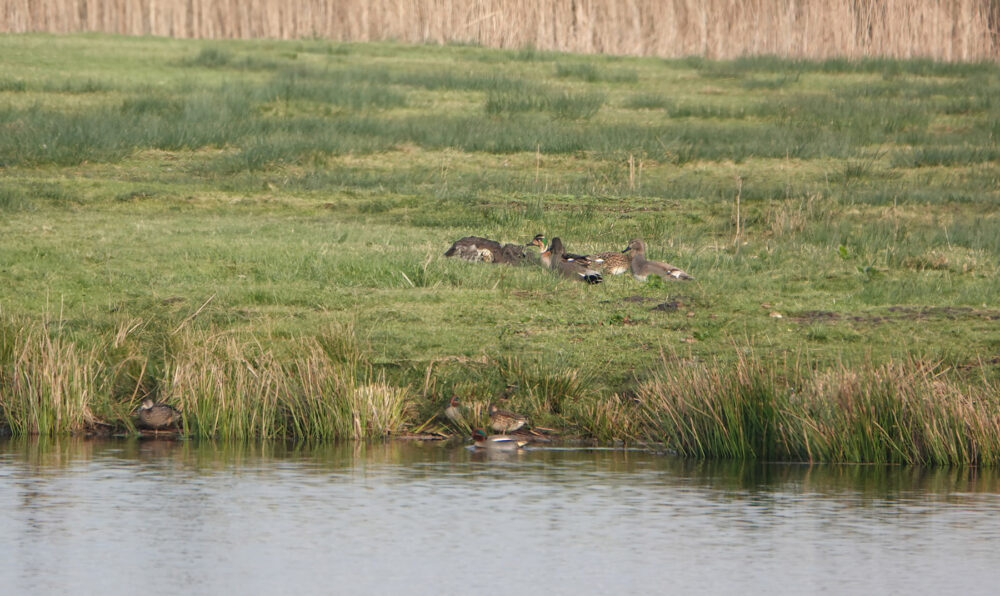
(154, 416)
(454, 413)
(504, 421)
(474, 248)
(643, 268)
(570, 265)
(610, 263)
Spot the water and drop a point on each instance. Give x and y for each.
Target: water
(163, 517)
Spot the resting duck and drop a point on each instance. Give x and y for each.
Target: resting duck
(503, 421)
(496, 442)
(570, 265)
(545, 257)
(612, 263)
(154, 416)
(474, 248)
(643, 268)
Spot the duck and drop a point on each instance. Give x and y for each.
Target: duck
(504, 421)
(475, 248)
(157, 416)
(611, 263)
(511, 254)
(496, 442)
(454, 413)
(544, 256)
(571, 265)
(643, 268)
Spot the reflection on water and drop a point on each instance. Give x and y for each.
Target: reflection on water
(114, 517)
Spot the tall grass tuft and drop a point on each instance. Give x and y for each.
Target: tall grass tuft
(561, 103)
(47, 385)
(236, 389)
(225, 388)
(899, 412)
(616, 417)
(332, 397)
(546, 391)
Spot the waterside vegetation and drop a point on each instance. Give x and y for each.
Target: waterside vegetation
(253, 233)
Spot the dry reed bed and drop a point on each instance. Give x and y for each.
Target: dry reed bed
(952, 30)
(238, 390)
(228, 387)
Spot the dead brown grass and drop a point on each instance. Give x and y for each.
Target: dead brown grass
(953, 30)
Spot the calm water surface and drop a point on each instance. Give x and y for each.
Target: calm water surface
(163, 517)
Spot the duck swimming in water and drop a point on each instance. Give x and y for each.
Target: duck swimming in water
(496, 442)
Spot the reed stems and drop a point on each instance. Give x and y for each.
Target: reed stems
(939, 29)
(908, 412)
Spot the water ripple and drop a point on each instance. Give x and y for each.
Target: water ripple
(442, 520)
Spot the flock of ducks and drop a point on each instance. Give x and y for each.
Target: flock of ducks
(586, 268)
(152, 416)
(589, 268)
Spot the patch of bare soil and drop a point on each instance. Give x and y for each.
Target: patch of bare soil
(898, 313)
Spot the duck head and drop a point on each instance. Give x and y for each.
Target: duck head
(556, 247)
(479, 435)
(637, 245)
(538, 240)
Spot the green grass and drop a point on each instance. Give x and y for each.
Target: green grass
(308, 184)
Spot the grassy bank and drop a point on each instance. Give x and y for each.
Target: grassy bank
(203, 221)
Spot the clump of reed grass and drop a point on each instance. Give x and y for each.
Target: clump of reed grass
(227, 386)
(648, 101)
(900, 412)
(13, 85)
(47, 385)
(13, 199)
(617, 417)
(591, 74)
(561, 103)
(236, 389)
(210, 58)
(545, 392)
(327, 399)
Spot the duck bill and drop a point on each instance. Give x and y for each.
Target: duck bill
(627, 248)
